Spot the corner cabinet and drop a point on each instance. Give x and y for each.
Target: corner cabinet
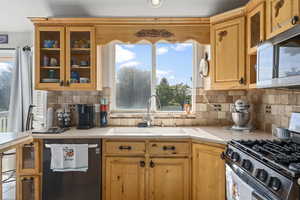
(281, 16)
(65, 58)
(208, 172)
(228, 54)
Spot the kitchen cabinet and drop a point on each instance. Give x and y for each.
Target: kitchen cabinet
(124, 178)
(255, 26)
(281, 15)
(65, 58)
(169, 179)
(146, 169)
(228, 54)
(28, 158)
(208, 172)
(28, 188)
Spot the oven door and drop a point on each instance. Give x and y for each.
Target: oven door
(239, 186)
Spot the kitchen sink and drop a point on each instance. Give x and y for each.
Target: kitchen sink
(148, 131)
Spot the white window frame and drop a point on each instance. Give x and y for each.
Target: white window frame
(153, 80)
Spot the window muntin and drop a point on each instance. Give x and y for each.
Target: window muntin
(140, 68)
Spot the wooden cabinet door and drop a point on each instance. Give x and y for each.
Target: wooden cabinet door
(124, 178)
(28, 158)
(255, 27)
(28, 188)
(49, 58)
(80, 58)
(169, 179)
(208, 173)
(228, 52)
(281, 15)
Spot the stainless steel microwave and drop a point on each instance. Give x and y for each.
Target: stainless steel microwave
(278, 61)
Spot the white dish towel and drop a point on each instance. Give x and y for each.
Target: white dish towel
(69, 157)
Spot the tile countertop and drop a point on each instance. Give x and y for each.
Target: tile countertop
(220, 135)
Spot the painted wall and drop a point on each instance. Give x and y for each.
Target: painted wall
(18, 39)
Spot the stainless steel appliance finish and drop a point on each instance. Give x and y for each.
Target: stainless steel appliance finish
(278, 61)
(241, 116)
(73, 185)
(269, 167)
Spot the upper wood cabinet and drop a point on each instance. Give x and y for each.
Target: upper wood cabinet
(255, 27)
(281, 16)
(65, 58)
(169, 179)
(228, 54)
(208, 172)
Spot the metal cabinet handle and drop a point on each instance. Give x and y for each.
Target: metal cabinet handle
(142, 163)
(125, 147)
(152, 164)
(222, 156)
(68, 83)
(222, 34)
(295, 20)
(61, 83)
(242, 81)
(278, 6)
(166, 148)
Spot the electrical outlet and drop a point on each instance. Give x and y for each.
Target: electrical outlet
(217, 107)
(268, 109)
(72, 107)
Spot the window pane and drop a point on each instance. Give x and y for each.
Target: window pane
(6, 67)
(174, 75)
(133, 76)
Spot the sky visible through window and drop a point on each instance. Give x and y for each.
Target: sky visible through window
(173, 75)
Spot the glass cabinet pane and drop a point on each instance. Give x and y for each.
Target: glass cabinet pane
(28, 159)
(80, 55)
(255, 29)
(50, 63)
(28, 188)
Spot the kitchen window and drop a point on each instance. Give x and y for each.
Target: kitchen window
(143, 70)
(7, 62)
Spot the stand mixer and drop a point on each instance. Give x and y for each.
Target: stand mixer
(241, 116)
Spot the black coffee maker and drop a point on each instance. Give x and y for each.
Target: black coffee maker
(85, 116)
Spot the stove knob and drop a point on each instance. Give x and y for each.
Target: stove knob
(235, 157)
(229, 152)
(247, 165)
(275, 183)
(262, 175)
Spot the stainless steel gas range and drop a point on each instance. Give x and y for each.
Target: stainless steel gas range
(264, 169)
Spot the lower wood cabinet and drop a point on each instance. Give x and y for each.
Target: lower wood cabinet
(169, 179)
(208, 172)
(124, 178)
(28, 188)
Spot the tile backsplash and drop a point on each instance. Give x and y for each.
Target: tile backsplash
(270, 108)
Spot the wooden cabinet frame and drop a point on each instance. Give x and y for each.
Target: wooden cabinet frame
(38, 83)
(37, 186)
(81, 86)
(37, 159)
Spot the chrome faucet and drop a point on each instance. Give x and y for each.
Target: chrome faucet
(148, 118)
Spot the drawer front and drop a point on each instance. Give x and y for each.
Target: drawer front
(126, 148)
(169, 148)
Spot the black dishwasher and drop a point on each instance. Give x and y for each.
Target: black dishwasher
(73, 185)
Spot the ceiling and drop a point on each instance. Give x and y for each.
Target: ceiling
(14, 12)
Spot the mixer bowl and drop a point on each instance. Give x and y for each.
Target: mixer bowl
(241, 118)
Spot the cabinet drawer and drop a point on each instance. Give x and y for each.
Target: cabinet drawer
(169, 148)
(125, 148)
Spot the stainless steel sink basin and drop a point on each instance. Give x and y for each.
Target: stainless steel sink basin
(148, 131)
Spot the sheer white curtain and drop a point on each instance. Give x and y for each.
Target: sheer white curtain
(21, 91)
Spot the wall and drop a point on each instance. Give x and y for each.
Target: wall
(16, 39)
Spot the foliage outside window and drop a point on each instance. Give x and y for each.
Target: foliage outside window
(162, 69)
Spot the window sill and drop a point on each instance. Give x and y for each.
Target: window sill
(159, 115)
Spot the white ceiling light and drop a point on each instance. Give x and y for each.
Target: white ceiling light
(156, 3)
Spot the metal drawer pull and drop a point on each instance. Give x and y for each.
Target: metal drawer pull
(142, 163)
(125, 147)
(152, 164)
(91, 146)
(166, 148)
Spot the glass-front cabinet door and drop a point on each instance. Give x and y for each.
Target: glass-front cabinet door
(50, 60)
(28, 188)
(80, 58)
